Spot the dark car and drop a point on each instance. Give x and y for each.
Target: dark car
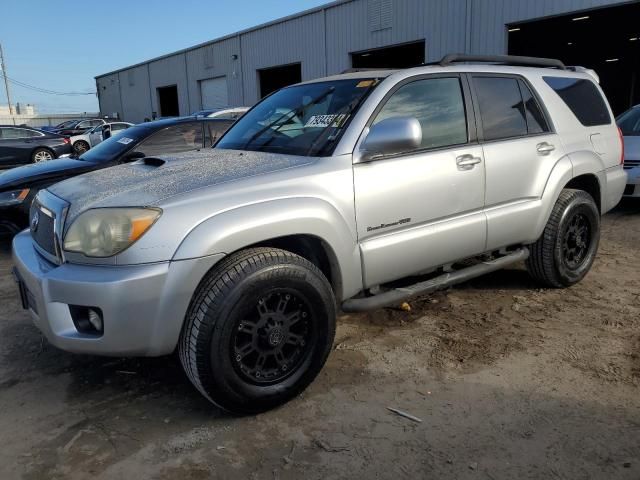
(22, 145)
(80, 127)
(19, 185)
(60, 126)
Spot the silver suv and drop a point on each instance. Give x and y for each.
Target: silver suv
(354, 191)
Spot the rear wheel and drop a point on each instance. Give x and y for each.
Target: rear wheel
(41, 155)
(81, 146)
(259, 329)
(564, 253)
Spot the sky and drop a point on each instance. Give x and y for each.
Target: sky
(62, 45)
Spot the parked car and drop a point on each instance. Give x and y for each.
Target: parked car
(80, 127)
(83, 142)
(60, 126)
(19, 186)
(629, 123)
(395, 184)
(229, 113)
(22, 145)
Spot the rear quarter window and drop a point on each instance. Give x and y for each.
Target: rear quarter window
(583, 99)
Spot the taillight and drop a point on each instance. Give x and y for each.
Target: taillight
(66, 140)
(621, 146)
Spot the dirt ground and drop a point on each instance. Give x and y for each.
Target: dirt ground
(510, 381)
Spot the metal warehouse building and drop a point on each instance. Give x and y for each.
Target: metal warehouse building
(241, 68)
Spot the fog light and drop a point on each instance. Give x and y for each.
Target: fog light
(95, 319)
(87, 320)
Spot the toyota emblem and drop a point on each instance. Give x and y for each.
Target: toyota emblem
(35, 221)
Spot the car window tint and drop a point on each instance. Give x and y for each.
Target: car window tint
(438, 105)
(629, 122)
(583, 99)
(175, 139)
(214, 130)
(119, 126)
(536, 120)
(14, 133)
(501, 107)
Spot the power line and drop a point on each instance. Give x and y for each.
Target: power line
(42, 90)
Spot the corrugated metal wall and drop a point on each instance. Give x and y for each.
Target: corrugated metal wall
(322, 41)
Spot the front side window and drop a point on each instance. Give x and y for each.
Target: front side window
(438, 105)
(501, 107)
(583, 99)
(214, 130)
(174, 139)
(303, 119)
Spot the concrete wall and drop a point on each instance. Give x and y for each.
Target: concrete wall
(322, 40)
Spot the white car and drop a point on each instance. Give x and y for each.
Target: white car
(83, 142)
(229, 113)
(629, 123)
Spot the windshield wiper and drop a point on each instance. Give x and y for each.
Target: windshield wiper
(316, 100)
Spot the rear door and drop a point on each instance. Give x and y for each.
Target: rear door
(16, 145)
(423, 208)
(520, 150)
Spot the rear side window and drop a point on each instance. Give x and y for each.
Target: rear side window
(438, 105)
(501, 107)
(583, 98)
(536, 121)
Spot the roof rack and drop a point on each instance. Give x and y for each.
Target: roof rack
(503, 60)
(363, 69)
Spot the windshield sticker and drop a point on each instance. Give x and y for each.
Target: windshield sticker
(323, 121)
(125, 140)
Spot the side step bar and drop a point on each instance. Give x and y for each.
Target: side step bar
(445, 280)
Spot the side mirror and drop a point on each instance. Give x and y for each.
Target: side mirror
(133, 156)
(391, 136)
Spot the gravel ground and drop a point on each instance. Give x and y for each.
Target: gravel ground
(510, 381)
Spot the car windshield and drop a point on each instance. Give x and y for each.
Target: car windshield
(119, 143)
(629, 122)
(300, 120)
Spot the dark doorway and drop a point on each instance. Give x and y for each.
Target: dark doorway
(605, 39)
(168, 100)
(395, 56)
(275, 78)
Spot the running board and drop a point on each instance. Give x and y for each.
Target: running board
(445, 280)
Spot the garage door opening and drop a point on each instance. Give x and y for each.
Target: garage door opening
(213, 93)
(275, 78)
(168, 101)
(605, 39)
(396, 56)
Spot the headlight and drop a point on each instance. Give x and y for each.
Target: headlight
(104, 232)
(13, 197)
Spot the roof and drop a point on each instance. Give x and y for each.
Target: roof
(226, 37)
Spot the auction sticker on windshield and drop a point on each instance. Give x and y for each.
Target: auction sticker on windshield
(125, 140)
(326, 120)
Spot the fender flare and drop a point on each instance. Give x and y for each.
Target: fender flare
(241, 227)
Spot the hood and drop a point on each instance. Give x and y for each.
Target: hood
(148, 181)
(24, 176)
(632, 147)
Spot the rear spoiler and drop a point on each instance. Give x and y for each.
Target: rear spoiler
(588, 71)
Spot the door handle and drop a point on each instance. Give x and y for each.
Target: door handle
(467, 162)
(545, 148)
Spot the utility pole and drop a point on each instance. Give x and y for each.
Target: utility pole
(3, 68)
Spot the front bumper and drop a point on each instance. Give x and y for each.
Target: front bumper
(143, 306)
(633, 182)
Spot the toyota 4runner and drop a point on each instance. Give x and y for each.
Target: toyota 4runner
(354, 191)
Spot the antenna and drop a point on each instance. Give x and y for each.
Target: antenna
(3, 69)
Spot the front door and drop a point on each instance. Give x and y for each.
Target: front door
(423, 208)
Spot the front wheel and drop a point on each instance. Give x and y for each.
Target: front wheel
(564, 253)
(259, 329)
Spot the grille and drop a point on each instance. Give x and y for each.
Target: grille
(43, 233)
(628, 164)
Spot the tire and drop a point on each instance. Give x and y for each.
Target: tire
(259, 329)
(80, 147)
(564, 253)
(42, 155)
